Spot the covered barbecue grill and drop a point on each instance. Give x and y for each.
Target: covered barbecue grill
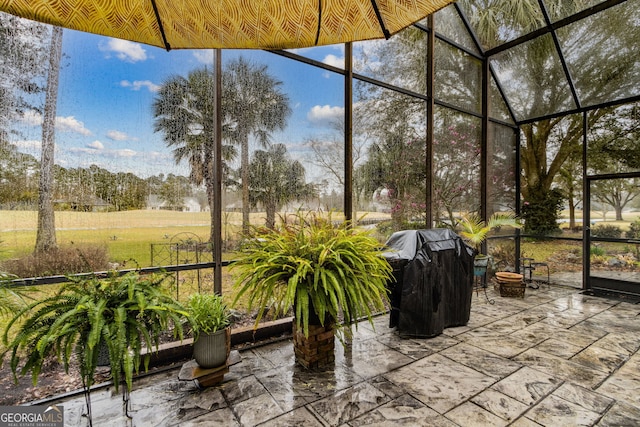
(432, 281)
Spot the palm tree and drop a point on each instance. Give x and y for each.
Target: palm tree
(474, 230)
(276, 180)
(184, 112)
(254, 103)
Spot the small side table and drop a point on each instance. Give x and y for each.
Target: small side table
(529, 264)
(537, 265)
(204, 377)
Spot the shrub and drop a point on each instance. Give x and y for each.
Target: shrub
(634, 230)
(504, 255)
(541, 213)
(597, 251)
(386, 228)
(607, 231)
(62, 261)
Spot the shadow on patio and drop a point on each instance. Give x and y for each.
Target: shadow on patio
(556, 357)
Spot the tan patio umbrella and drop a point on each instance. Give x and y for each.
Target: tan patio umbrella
(242, 24)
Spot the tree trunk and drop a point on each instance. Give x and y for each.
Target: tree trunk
(572, 214)
(46, 234)
(212, 213)
(244, 172)
(618, 209)
(571, 201)
(210, 184)
(270, 209)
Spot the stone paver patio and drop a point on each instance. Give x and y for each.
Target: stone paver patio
(557, 357)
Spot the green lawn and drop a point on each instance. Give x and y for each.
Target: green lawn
(127, 235)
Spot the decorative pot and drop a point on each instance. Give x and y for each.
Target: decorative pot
(212, 350)
(511, 284)
(480, 264)
(317, 349)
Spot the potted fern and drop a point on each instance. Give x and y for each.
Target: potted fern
(330, 275)
(474, 230)
(126, 313)
(209, 318)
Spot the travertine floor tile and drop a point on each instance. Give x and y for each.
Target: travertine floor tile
(257, 409)
(297, 417)
(561, 368)
(403, 411)
(500, 404)
(348, 404)
(622, 387)
(620, 414)
(469, 414)
(527, 385)
(601, 359)
(554, 411)
(559, 348)
(439, 382)
(481, 360)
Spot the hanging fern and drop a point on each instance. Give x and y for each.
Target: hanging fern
(127, 314)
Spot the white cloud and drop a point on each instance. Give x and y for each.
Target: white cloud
(203, 56)
(96, 145)
(124, 50)
(298, 50)
(120, 160)
(31, 144)
(125, 153)
(116, 135)
(324, 114)
(158, 155)
(139, 84)
(334, 61)
(34, 148)
(84, 150)
(63, 124)
(71, 124)
(31, 118)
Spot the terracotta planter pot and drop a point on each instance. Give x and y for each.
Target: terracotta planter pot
(511, 284)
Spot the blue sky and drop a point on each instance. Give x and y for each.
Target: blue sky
(107, 87)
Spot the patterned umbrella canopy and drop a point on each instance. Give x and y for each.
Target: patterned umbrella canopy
(242, 24)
